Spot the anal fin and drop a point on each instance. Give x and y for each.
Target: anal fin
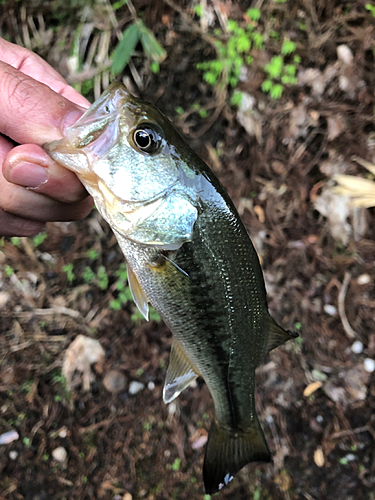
(181, 372)
(137, 292)
(277, 336)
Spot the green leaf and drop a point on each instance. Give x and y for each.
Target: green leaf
(198, 9)
(276, 91)
(151, 46)
(243, 44)
(236, 98)
(254, 14)
(258, 40)
(274, 67)
(125, 49)
(266, 85)
(288, 47)
(232, 25)
(290, 69)
(39, 238)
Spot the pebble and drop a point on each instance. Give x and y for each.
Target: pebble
(363, 279)
(319, 457)
(369, 365)
(172, 407)
(4, 297)
(357, 347)
(60, 454)
(345, 54)
(8, 437)
(13, 454)
(151, 386)
(135, 387)
(330, 309)
(114, 381)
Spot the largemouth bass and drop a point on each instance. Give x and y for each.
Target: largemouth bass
(189, 255)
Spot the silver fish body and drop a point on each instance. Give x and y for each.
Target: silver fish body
(189, 255)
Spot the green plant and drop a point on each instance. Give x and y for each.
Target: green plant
(124, 294)
(92, 254)
(279, 73)
(27, 442)
(176, 464)
(135, 33)
(102, 278)
(370, 8)
(68, 269)
(39, 238)
(59, 385)
(9, 271)
(88, 275)
(234, 52)
(15, 241)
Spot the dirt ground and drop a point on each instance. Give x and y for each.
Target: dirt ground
(315, 395)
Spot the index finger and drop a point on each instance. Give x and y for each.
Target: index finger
(31, 111)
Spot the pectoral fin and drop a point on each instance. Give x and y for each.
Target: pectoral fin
(181, 372)
(138, 294)
(277, 336)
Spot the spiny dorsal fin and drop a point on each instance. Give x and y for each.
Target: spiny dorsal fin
(277, 336)
(181, 372)
(138, 294)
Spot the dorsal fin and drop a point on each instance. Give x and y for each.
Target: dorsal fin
(138, 294)
(181, 372)
(277, 336)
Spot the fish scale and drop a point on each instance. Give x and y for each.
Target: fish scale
(189, 255)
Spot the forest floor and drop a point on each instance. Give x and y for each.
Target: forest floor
(276, 157)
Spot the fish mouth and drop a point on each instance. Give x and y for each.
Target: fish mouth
(100, 117)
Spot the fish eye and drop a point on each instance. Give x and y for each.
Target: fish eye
(148, 138)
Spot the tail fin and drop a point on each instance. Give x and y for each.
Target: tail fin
(228, 451)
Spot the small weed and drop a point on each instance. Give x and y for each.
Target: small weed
(92, 254)
(198, 9)
(59, 383)
(88, 275)
(27, 442)
(68, 270)
(176, 464)
(39, 238)
(15, 241)
(124, 294)
(279, 73)
(135, 33)
(233, 53)
(9, 271)
(102, 278)
(370, 8)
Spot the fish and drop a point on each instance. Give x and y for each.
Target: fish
(189, 255)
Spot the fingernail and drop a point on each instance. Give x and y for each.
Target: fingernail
(27, 174)
(71, 118)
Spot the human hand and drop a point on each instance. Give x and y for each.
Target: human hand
(37, 105)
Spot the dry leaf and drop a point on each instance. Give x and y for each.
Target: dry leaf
(311, 388)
